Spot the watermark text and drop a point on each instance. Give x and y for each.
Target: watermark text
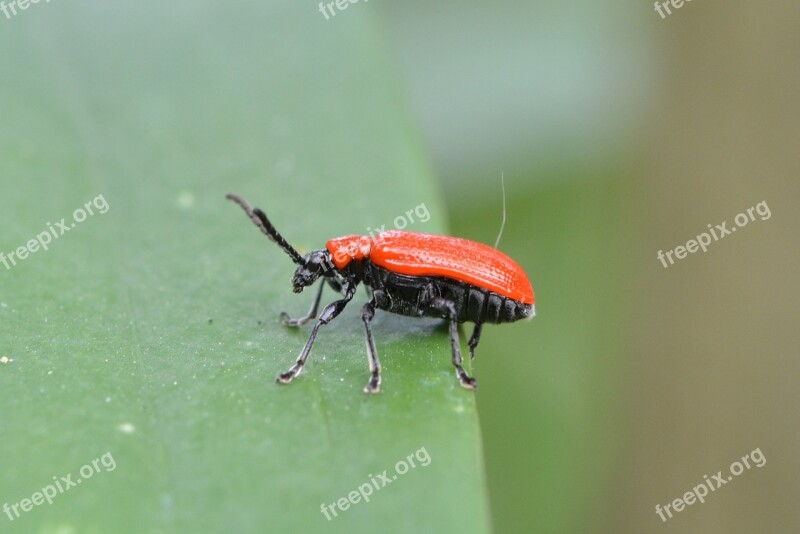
(664, 6)
(59, 486)
(53, 232)
(715, 233)
(699, 492)
(9, 9)
(376, 483)
(331, 9)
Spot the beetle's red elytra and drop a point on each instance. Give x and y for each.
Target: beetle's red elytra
(407, 273)
(418, 254)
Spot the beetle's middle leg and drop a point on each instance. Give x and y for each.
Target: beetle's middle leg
(374, 384)
(448, 309)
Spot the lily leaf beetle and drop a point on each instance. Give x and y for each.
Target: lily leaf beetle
(407, 273)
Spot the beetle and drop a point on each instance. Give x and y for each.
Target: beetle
(407, 273)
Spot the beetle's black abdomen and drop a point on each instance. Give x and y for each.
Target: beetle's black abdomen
(412, 295)
(482, 306)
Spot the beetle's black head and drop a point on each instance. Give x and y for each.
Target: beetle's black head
(315, 264)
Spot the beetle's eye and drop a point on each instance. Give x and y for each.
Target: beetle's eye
(313, 266)
(314, 263)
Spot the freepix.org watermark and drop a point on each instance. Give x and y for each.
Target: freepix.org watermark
(53, 232)
(376, 483)
(59, 486)
(714, 234)
(662, 6)
(9, 9)
(401, 221)
(364, 244)
(699, 492)
(331, 9)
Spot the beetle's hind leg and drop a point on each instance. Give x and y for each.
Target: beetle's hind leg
(312, 313)
(474, 340)
(374, 384)
(448, 309)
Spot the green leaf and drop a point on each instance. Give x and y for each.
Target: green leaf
(150, 332)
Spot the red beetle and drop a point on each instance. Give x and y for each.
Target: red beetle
(407, 273)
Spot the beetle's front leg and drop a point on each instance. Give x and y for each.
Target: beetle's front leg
(312, 313)
(330, 312)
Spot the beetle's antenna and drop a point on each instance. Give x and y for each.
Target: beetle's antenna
(259, 218)
(503, 224)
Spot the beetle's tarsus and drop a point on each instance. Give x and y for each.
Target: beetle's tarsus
(291, 374)
(374, 384)
(287, 320)
(466, 381)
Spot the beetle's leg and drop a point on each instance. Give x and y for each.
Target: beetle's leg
(474, 339)
(448, 308)
(374, 384)
(312, 313)
(330, 312)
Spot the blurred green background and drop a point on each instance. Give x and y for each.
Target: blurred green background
(619, 134)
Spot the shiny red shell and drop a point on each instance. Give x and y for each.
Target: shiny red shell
(417, 254)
